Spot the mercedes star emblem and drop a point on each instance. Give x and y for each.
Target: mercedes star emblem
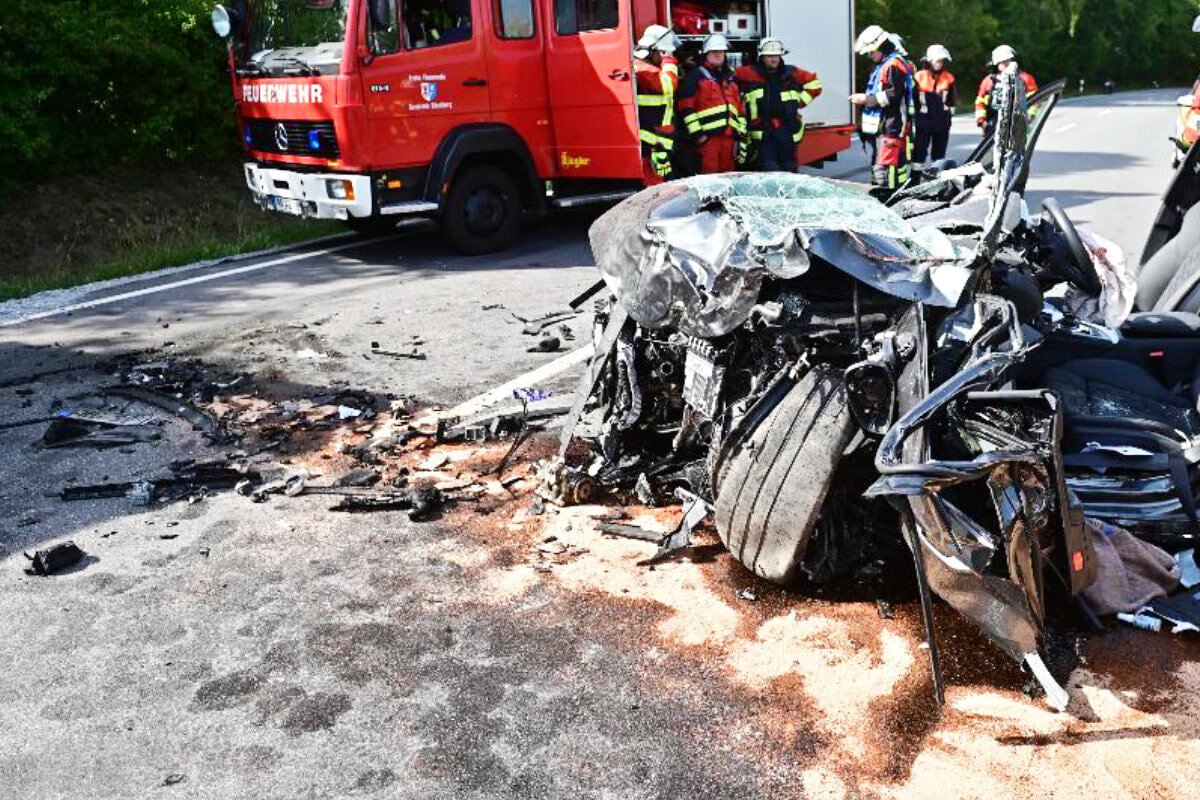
(281, 137)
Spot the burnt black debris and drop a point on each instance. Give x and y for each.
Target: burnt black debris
(54, 559)
(421, 504)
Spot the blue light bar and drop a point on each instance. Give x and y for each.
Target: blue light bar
(314, 140)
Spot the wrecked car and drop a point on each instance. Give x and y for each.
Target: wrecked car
(818, 367)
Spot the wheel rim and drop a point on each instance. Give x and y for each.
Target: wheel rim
(485, 210)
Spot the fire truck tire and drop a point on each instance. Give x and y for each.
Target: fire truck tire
(773, 484)
(371, 226)
(483, 211)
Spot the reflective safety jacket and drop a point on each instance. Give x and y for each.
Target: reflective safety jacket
(711, 104)
(986, 99)
(774, 98)
(891, 84)
(656, 89)
(936, 94)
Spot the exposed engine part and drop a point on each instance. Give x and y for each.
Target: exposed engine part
(704, 378)
(563, 485)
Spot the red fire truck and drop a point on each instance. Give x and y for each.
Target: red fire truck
(477, 111)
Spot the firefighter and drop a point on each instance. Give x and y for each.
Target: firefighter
(1003, 58)
(774, 94)
(936, 95)
(711, 107)
(656, 72)
(886, 104)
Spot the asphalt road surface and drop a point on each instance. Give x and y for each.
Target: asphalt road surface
(228, 649)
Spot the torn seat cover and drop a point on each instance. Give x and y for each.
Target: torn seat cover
(693, 253)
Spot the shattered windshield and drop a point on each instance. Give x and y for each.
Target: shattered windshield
(694, 253)
(306, 36)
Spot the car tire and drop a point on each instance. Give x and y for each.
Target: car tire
(483, 211)
(374, 225)
(772, 485)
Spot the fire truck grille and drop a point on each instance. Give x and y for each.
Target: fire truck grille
(292, 137)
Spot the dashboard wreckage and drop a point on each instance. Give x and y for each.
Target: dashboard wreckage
(820, 368)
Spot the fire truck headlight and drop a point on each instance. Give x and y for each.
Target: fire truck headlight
(224, 21)
(340, 189)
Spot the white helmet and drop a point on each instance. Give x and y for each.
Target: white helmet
(656, 37)
(716, 42)
(898, 42)
(870, 40)
(771, 47)
(1003, 53)
(937, 52)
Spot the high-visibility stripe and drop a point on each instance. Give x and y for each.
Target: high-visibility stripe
(798, 136)
(805, 98)
(814, 85)
(652, 100)
(654, 140)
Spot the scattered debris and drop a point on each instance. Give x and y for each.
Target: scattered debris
(358, 478)
(173, 779)
(421, 504)
(747, 594)
(695, 511)
(70, 431)
(534, 327)
(549, 344)
(631, 532)
(54, 559)
(434, 462)
(413, 354)
(187, 480)
(199, 420)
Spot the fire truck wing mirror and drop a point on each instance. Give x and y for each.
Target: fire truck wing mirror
(225, 21)
(381, 13)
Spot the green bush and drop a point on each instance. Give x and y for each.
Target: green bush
(1134, 42)
(91, 83)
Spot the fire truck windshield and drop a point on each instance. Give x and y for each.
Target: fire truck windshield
(294, 36)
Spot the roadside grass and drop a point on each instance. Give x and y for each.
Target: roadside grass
(80, 229)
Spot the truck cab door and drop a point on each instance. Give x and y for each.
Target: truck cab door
(590, 79)
(430, 78)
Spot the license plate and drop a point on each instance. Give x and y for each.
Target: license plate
(286, 205)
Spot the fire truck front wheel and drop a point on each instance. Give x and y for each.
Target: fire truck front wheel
(483, 211)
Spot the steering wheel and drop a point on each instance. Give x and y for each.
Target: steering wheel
(1078, 268)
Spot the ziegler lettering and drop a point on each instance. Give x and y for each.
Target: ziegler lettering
(283, 92)
(568, 161)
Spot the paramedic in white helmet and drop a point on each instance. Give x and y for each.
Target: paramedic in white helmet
(1004, 58)
(886, 126)
(936, 96)
(656, 74)
(775, 95)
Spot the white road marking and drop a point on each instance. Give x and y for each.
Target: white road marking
(165, 287)
(529, 380)
(1066, 127)
(1105, 112)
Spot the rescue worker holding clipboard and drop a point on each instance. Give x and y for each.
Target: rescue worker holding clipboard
(886, 126)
